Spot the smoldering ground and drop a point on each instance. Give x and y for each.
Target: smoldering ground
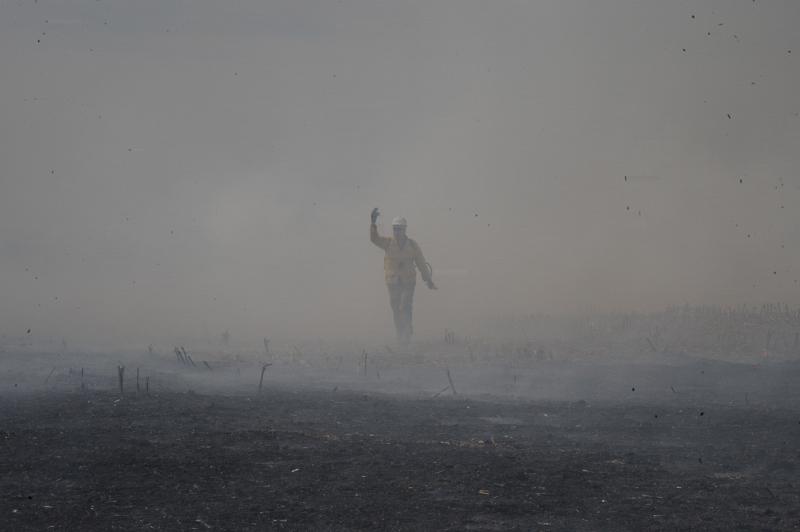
(444, 437)
(727, 356)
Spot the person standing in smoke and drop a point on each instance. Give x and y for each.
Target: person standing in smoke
(403, 257)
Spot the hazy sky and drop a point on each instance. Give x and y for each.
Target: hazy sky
(178, 168)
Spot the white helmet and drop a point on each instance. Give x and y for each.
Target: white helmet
(399, 222)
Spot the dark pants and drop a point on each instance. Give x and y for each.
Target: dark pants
(401, 297)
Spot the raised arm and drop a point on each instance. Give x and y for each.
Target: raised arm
(380, 241)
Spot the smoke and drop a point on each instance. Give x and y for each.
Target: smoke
(173, 170)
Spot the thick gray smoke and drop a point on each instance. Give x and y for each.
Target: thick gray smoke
(175, 170)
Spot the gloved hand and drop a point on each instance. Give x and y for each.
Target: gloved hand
(431, 285)
(375, 215)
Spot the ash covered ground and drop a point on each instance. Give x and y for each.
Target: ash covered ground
(446, 436)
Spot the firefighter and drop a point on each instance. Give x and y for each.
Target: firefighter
(403, 257)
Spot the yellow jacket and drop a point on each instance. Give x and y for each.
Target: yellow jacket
(398, 264)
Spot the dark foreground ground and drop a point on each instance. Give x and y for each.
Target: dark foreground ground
(317, 460)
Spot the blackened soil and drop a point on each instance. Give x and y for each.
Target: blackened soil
(333, 461)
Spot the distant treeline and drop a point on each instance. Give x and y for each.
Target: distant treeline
(771, 329)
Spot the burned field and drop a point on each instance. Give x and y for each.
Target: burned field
(197, 332)
(331, 459)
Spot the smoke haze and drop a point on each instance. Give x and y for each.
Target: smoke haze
(176, 169)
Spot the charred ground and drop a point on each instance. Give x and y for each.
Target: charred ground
(348, 460)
